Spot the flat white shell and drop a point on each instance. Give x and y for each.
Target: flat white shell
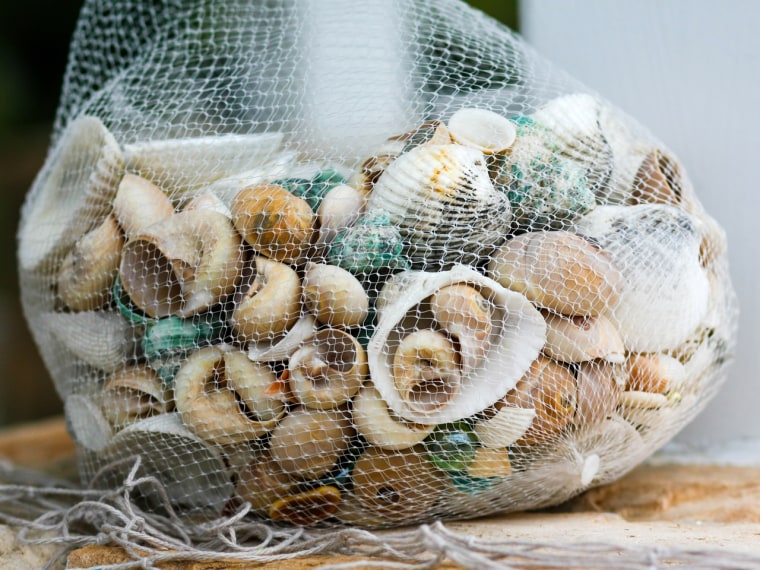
(73, 192)
(665, 289)
(193, 473)
(86, 422)
(507, 426)
(482, 129)
(282, 347)
(518, 335)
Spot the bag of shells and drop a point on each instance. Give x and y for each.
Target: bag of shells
(361, 263)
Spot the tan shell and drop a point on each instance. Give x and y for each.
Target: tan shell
(307, 443)
(579, 339)
(655, 373)
(340, 208)
(381, 427)
(281, 347)
(270, 304)
(223, 396)
(397, 485)
(658, 180)
(307, 507)
(139, 204)
(507, 425)
(517, 336)
(327, 370)
(274, 222)
(262, 483)
(490, 462)
(134, 393)
(558, 270)
(334, 295)
(482, 129)
(88, 271)
(599, 386)
(183, 265)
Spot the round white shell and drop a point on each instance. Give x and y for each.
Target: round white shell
(517, 338)
(482, 129)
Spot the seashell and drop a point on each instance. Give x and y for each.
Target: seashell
(139, 204)
(443, 202)
(489, 462)
(372, 168)
(208, 201)
(505, 427)
(482, 129)
(599, 385)
(327, 370)
(381, 427)
(167, 448)
(341, 207)
(88, 271)
(649, 410)
(399, 486)
(273, 221)
(663, 294)
(261, 483)
(334, 295)
(314, 189)
(184, 164)
(658, 180)
(713, 244)
(351, 512)
(307, 443)
(579, 339)
(517, 336)
(550, 388)
(308, 507)
(452, 447)
(655, 373)
(134, 393)
(465, 315)
(559, 271)
(72, 194)
(182, 265)
(270, 304)
(168, 341)
(281, 347)
(86, 423)
(223, 396)
(102, 339)
(372, 244)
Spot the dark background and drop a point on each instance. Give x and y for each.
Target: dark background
(34, 40)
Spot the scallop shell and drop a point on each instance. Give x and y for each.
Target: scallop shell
(167, 449)
(103, 339)
(443, 202)
(579, 339)
(518, 334)
(663, 294)
(505, 427)
(73, 193)
(179, 165)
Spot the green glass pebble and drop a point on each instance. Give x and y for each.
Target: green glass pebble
(313, 190)
(371, 244)
(165, 338)
(452, 447)
(473, 485)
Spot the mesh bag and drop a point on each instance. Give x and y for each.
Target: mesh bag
(368, 263)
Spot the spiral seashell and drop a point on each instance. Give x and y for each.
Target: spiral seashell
(579, 339)
(655, 373)
(599, 386)
(559, 271)
(505, 426)
(307, 443)
(482, 129)
(381, 427)
(261, 483)
(327, 370)
(664, 291)
(516, 337)
(134, 393)
(334, 295)
(467, 316)
(139, 204)
(270, 304)
(400, 486)
(88, 271)
(223, 396)
(182, 265)
(340, 209)
(72, 195)
(274, 222)
(443, 202)
(550, 388)
(489, 462)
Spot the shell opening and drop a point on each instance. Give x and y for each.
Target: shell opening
(336, 350)
(433, 389)
(151, 281)
(387, 495)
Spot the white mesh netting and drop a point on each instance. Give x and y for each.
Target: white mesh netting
(238, 268)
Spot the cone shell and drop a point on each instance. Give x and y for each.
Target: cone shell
(183, 265)
(517, 336)
(397, 485)
(334, 295)
(381, 427)
(139, 204)
(134, 393)
(599, 386)
(579, 339)
(269, 304)
(223, 396)
(307, 443)
(443, 202)
(481, 129)
(560, 271)
(663, 294)
(327, 370)
(72, 195)
(505, 426)
(274, 222)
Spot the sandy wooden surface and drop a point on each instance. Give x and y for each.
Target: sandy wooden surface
(663, 505)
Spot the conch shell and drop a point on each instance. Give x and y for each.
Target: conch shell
(517, 334)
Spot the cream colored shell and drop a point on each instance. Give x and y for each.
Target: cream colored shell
(139, 204)
(579, 339)
(334, 295)
(133, 393)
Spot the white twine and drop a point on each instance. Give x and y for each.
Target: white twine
(53, 511)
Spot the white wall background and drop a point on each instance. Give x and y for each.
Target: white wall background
(690, 71)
